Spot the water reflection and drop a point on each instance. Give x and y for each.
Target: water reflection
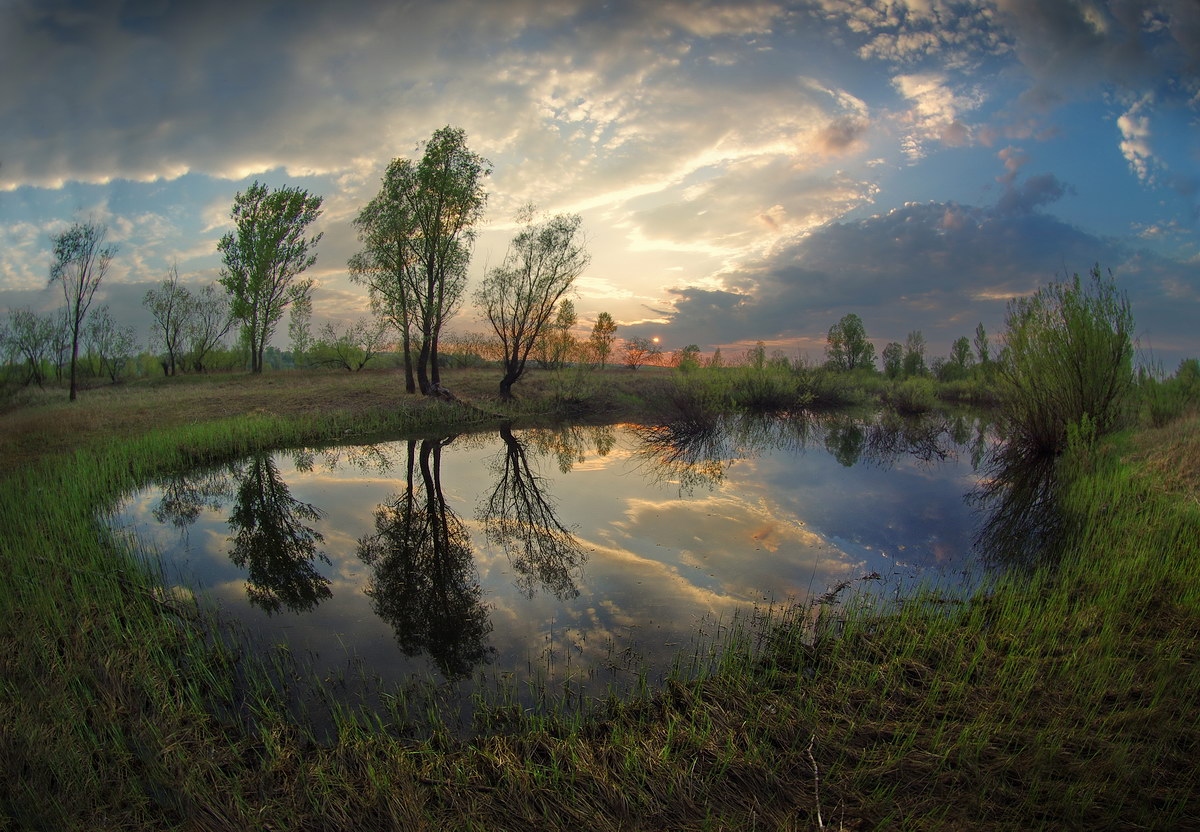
(552, 552)
(272, 541)
(519, 517)
(423, 577)
(1023, 522)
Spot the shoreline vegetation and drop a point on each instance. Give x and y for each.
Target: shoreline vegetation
(1062, 696)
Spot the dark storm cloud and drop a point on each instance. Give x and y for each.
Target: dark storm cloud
(1129, 43)
(937, 267)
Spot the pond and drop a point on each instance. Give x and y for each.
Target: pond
(576, 559)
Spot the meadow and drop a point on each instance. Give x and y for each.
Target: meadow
(1062, 695)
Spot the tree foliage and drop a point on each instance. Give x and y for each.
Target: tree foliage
(171, 306)
(417, 234)
(519, 297)
(847, 347)
(1067, 363)
(386, 265)
(638, 351)
(893, 360)
(604, 332)
(81, 260)
(914, 354)
(448, 200)
(264, 255)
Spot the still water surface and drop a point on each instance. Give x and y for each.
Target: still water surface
(585, 555)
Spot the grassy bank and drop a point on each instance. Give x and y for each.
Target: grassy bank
(1062, 699)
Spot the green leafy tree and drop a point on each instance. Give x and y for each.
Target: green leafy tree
(893, 360)
(519, 296)
(604, 332)
(387, 264)
(1067, 363)
(81, 260)
(847, 347)
(960, 362)
(448, 200)
(982, 349)
(688, 358)
(263, 258)
(914, 354)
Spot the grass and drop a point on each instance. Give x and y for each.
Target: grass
(1060, 699)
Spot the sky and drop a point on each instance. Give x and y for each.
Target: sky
(746, 171)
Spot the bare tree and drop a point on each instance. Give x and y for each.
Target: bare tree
(519, 296)
(81, 260)
(209, 323)
(171, 305)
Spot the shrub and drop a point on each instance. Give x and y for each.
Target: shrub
(912, 396)
(1068, 355)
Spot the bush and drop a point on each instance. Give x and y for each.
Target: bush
(1068, 355)
(912, 396)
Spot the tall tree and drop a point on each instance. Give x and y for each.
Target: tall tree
(81, 260)
(556, 346)
(893, 360)
(171, 306)
(519, 296)
(448, 200)
(264, 256)
(914, 354)
(982, 348)
(847, 347)
(603, 334)
(387, 263)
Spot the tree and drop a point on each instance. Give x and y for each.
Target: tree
(81, 261)
(960, 362)
(300, 327)
(447, 201)
(1067, 363)
(171, 306)
(556, 346)
(112, 345)
(639, 351)
(519, 296)
(353, 348)
(688, 358)
(914, 354)
(847, 347)
(602, 337)
(982, 349)
(893, 360)
(386, 265)
(209, 323)
(264, 256)
(31, 336)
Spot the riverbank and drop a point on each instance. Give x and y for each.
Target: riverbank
(1064, 698)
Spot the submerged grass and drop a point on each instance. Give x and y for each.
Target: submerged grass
(1059, 699)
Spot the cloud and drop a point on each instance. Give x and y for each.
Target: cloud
(939, 267)
(1038, 190)
(1134, 125)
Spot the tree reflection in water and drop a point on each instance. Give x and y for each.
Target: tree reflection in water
(519, 517)
(1024, 524)
(424, 580)
(270, 540)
